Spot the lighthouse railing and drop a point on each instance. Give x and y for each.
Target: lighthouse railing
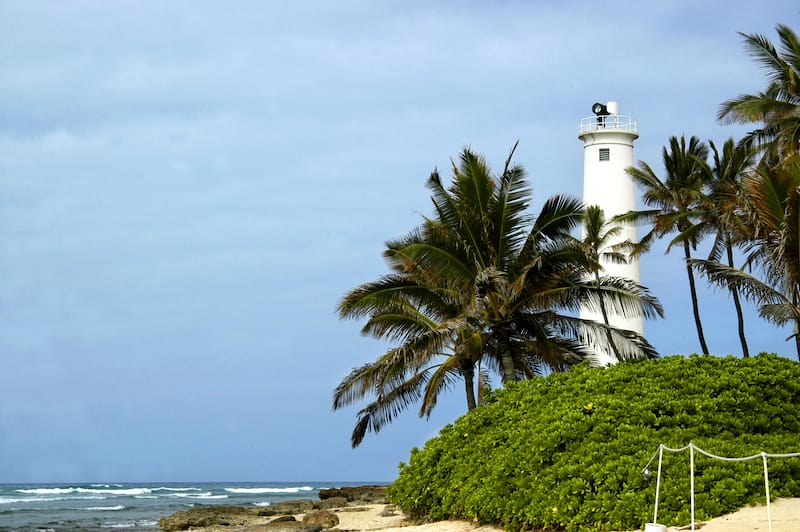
(609, 123)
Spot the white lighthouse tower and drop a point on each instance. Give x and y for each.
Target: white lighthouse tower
(607, 151)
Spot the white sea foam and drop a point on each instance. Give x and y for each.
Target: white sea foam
(262, 504)
(204, 495)
(104, 508)
(269, 490)
(132, 524)
(117, 491)
(11, 500)
(99, 491)
(175, 489)
(47, 491)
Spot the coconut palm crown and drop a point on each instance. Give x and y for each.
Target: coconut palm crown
(481, 283)
(776, 108)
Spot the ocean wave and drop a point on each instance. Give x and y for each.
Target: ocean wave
(47, 491)
(262, 504)
(163, 488)
(98, 491)
(9, 500)
(133, 524)
(204, 495)
(268, 490)
(116, 491)
(12, 500)
(103, 508)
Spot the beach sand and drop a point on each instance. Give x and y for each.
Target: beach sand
(785, 518)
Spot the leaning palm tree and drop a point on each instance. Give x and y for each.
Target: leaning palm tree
(674, 205)
(771, 200)
(777, 108)
(436, 346)
(481, 284)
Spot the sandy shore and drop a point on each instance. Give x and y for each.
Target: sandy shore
(785, 518)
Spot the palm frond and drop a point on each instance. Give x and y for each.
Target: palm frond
(749, 286)
(621, 297)
(386, 407)
(442, 379)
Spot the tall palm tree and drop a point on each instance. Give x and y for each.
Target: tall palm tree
(777, 108)
(481, 282)
(674, 203)
(771, 199)
(722, 211)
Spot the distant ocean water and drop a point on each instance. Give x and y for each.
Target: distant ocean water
(94, 507)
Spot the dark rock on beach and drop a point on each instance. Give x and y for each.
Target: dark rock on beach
(206, 516)
(278, 517)
(332, 502)
(300, 506)
(360, 494)
(323, 518)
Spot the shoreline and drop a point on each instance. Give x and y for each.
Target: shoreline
(372, 516)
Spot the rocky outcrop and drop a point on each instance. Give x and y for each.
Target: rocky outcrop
(323, 518)
(278, 517)
(299, 506)
(358, 494)
(207, 516)
(287, 526)
(332, 502)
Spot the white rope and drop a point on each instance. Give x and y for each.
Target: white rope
(692, 448)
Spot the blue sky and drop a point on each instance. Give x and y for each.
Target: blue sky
(188, 188)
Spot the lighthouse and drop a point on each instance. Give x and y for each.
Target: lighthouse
(607, 152)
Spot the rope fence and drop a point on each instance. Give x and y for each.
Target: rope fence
(692, 448)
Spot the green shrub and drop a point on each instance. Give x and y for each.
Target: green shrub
(566, 452)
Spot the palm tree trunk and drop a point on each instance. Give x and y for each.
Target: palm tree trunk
(507, 366)
(509, 373)
(468, 372)
(736, 302)
(605, 320)
(796, 327)
(693, 291)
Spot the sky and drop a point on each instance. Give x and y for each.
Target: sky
(188, 188)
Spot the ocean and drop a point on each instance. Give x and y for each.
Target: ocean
(95, 507)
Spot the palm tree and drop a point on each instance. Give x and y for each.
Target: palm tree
(436, 347)
(599, 244)
(771, 200)
(525, 283)
(526, 311)
(478, 284)
(674, 203)
(722, 211)
(777, 108)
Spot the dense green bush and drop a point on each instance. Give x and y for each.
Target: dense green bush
(566, 452)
